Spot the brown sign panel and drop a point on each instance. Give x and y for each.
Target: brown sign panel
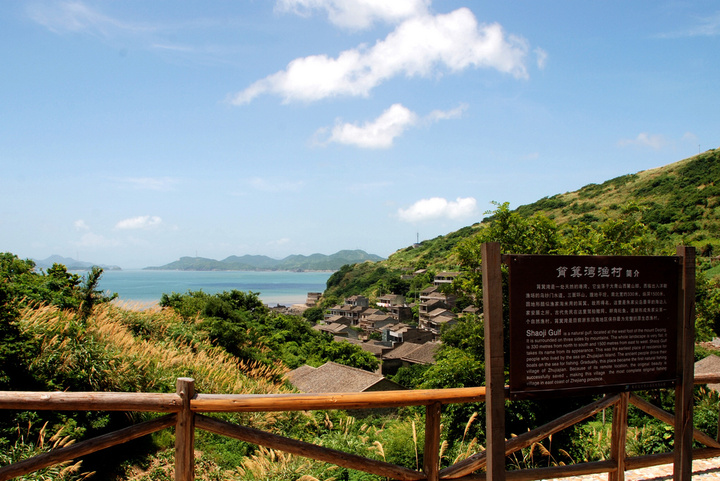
(586, 324)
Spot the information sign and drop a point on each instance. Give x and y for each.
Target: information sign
(582, 324)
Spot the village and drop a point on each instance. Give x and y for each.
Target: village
(387, 330)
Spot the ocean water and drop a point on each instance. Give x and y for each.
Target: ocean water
(274, 287)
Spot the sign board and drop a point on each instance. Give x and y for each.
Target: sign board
(587, 324)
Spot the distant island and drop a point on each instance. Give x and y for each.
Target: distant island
(71, 264)
(314, 262)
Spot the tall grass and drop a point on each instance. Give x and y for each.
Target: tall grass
(101, 353)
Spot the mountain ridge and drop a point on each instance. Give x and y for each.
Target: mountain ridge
(295, 262)
(71, 264)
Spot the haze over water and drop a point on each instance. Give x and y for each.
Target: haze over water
(275, 287)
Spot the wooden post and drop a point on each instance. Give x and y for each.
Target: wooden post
(431, 463)
(185, 432)
(682, 469)
(619, 437)
(494, 361)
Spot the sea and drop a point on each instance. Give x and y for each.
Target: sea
(273, 287)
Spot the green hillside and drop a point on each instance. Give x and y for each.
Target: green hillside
(680, 202)
(675, 204)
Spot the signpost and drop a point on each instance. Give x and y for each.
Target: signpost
(582, 324)
(591, 324)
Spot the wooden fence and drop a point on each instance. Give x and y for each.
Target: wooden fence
(184, 412)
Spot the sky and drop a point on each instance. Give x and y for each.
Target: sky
(134, 133)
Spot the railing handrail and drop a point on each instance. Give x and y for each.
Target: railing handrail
(179, 403)
(90, 401)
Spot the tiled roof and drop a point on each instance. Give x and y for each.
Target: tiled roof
(415, 353)
(709, 365)
(332, 377)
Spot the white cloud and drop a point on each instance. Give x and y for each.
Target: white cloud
(150, 183)
(381, 132)
(377, 134)
(81, 225)
(75, 16)
(357, 14)
(455, 113)
(140, 222)
(420, 46)
(689, 137)
(707, 26)
(438, 208)
(541, 56)
(654, 141)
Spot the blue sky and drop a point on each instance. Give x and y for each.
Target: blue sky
(135, 132)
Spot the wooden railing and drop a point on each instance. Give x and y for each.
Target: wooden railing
(184, 410)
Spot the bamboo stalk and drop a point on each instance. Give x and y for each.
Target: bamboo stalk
(301, 448)
(89, 401)
(309, 402)
(668, 418)
(83, 448)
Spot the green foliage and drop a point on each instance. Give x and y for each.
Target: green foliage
(240, 323)
(314, 314)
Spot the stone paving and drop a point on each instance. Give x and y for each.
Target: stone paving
(703, 469)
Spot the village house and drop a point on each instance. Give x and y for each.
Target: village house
(400, 332)
(437, 318)
(389, 300)
(445, 278)
(313, 298)
(337, 330)
(332, 378)
(407, 354)
(357, 301)
(338, 320)
(348, 311)
(374, 322)
(433, 293)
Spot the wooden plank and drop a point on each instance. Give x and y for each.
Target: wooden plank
(185, 432)
(686, 357)
(431, 458)
(83, 448)
(89, 401)
(524, 440)
(619, 438)
(549, 472)
(707, 379)
(309, 402)
(308, 450)
(668, 418)
(494, 361)
(667, 458)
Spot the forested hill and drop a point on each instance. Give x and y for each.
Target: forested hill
(675, 204)
(314, 262)
(680, 202)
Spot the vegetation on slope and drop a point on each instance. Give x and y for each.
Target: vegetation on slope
(679, 202)
(671, 205)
